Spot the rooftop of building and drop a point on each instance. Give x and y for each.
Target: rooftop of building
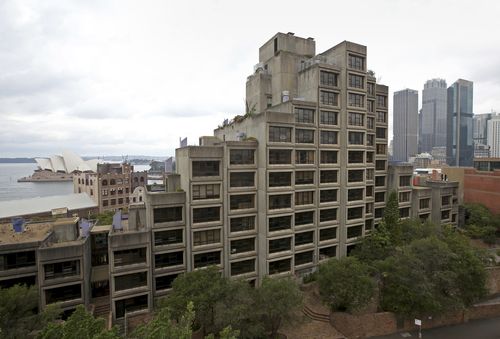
(100, 229)
(33, 206)
(32, 232)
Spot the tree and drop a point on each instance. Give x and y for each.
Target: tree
(345, 284)
(481, 223)
(391, 217)
(376, 246)
(18, 312)
(277, 301)
(162, 327)
(80, 325)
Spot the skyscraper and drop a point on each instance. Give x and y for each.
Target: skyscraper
(433, 128)
(493, 135)
(459, 144)
(405, 124)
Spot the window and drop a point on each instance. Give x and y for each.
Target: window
(380, 165)
(445, 201)
(280, 245)
(354, 231)
(329, 137)
(242, 267)
(424, 203)
(327, 252)
(329, 118)
(356, 81)
(242, 201)
(280, 201)
(304, 258)
(329, 214)
(303, 157)
(242, 245)
(278, 179)
(304, 218)
(356, 100)
(381, 149)
(368, 224)
(381, 101)
(370, 106)
(444, 215)
(404, 180)
(369, 208)
(134, 280)
(356, 62)
(404, 212)
(379, 212)
(328, 195)
(370, 140)
(329, 98)
(17, 260)
(165, 282)
(206, 237)
(169, 237)
(242, 179)
(169, 259)
(304, 198)
(355, 157)
(369, 191)
(381, 132)
(328, 78)
(370, 174)
(280, 134)
(280, 223)
(404, 196)
(280, 156)
(65, 293)
(327, 233)
(130, 256)
(242, 224)
(379, 196)
(328, 157)
(205, 168)
(304, 238)
(355, 175)
(279, 266)
(62, 269)
(206, 259)
(354, 213)
(381, 117)
(356, 138)
(356, 119)
(304, 136)
(369, 157)
(380, 181)
(327, 177)
(131, 305)
(304, 115)
(201, 192)
(206, 214)
(241, 157)
(355, 194)
(304, 177)
(370, 88)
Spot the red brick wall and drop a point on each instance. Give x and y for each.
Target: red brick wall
(483, 187)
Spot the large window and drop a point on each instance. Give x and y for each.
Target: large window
(242, 224)
(356, 119)
(169, 259)
(304, 218)
(354, 231)
(329, 214)
(206, 214)
(381, 101)
(381, 117)
(62, 269)
(206, 237)
(370, 140)
(354, 213)
(279, 179)
(205, 168)
(304, 238)
(356, 138)
(279, 266)
(355, 194)
(242, 201)
(381, 149)
(304, 115)
(328, 157)
(327, 252)
(380, 165)
(327, 233)
(280, 245)
(134, 280)
(206, 259)
(404, 196)
(167, 214)
(370, 106)
(328, 78)
(241, 156)
(355, 157)
(17, 260)
(328, 195)
(424, 203)
(304, 198)
(370, 88)
(356, 62)
(169, 237)
(379, 196)
(165, 281)
(130, 256)
(356, 100)
(242, 179)
(329, 98)
(280, 134)
(328, 176)
(355, 175)
(304, 177)
(280, 201)
(64, 293)
(280, 156)
(381, 132)
(329, 118)
(329, 137)
(380, 181)
(356, 81)
(304, 258)
(211, 191)
(242, 267)
(242, 245)
(304, 136)
(131, 305)
(404, 180)
(303, 157)
(280, 223)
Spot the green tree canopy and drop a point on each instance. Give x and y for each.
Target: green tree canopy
(391, 217)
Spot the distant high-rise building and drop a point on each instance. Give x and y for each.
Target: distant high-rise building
(480, 127)
(405, 124)
(433, 115)
(459, 143)
(493, 135)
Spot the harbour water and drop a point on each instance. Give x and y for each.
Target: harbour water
(10, 189)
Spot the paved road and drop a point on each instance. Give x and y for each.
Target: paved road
(476, 329)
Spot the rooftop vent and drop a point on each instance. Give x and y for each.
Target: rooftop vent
(309, 38)
(291, 33)
(18, 225)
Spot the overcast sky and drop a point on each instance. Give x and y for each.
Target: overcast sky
(131, 77)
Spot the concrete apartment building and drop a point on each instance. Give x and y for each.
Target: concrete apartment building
(405, 115)
(493, 136)
(433, 116)
(111, 185)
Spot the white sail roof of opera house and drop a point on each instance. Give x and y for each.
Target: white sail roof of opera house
(68, 162)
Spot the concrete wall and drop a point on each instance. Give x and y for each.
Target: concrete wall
(482, 187)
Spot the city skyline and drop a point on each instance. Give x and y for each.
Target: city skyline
(95, 79)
